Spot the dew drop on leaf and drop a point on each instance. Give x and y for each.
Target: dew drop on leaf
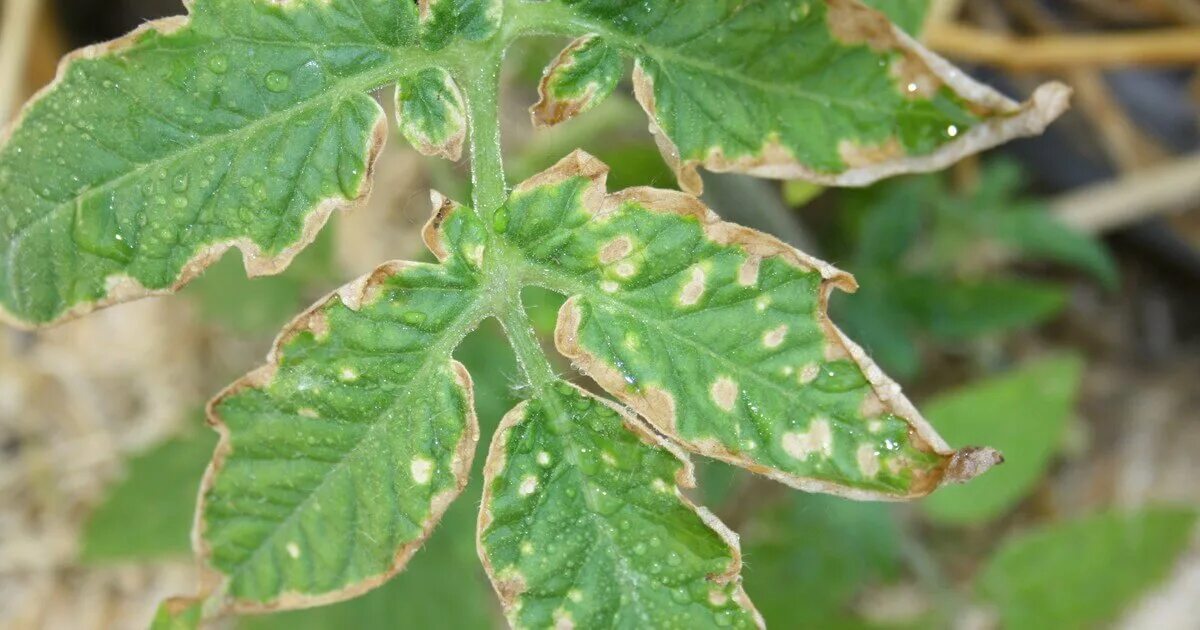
(277, 81)
(219, 64)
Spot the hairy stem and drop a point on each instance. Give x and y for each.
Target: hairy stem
(488, 189)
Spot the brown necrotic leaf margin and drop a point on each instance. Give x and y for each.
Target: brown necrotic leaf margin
(658, 407)
(854, 23)
(121, 288)
(510, 588)
(354, 295)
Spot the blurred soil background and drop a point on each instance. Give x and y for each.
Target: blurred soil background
(80, 402)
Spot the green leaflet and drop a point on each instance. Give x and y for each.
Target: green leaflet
(1082, 573)
(827, 91)
(432, 114)
(246, 124)
(581, 77)
(718, 336)
(177, 613)
(583, 524)
(339, 457)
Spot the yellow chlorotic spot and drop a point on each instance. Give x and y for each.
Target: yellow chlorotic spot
(724, 392)
(528, 485)
(694, 288)
(772, 338)
(868, 460)
(818, 439)
(422, 470)
(575, 595)
(527, 548)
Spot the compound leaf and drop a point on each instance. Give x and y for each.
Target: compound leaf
(718, 335)
(1084, 572)
(1025, 415)
(824, 90)
(583, 524)
(338, 457)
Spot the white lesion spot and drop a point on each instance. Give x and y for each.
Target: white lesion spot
(868, 460)
(608, 286)
(717, 598)
(528, 485)
(660, 485)
(293, 550)
(625, 269)
(808, 373)
(817, 439)
(422, 470)
(749, 445)
(475, 256)
(608, 458)
(875, 426)
(724, 392)
(347, 374)
(632, 341)
(773, 337)
(615, 249)
(762, 303)
(543, 459)
(575, 595)
(748, 272)
(563, 620)
(694, 288)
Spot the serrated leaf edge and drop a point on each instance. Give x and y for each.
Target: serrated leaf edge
(508, 590)
(657, 407)
(775, 161)
(353, 295)
(121, 288)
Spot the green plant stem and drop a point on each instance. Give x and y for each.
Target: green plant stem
(528, 350)
(488, 189)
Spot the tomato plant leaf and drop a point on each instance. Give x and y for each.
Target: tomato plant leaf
(432, 113)
(583, 524)
(1025, 415)
(828, 91)
(1084, 572)
(338, 457)
(581, 77)
(718, 335)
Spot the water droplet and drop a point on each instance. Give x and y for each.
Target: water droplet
(277, 81)
(180, 202)
(181, 183)
(500, 220)
(219, 64)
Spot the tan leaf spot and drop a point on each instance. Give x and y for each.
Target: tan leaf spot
(868, 460)
(724, 392)
(775, 336)
(615, 250)
(748, 272)
(694, 288)
(818, 439)
(809, 373)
